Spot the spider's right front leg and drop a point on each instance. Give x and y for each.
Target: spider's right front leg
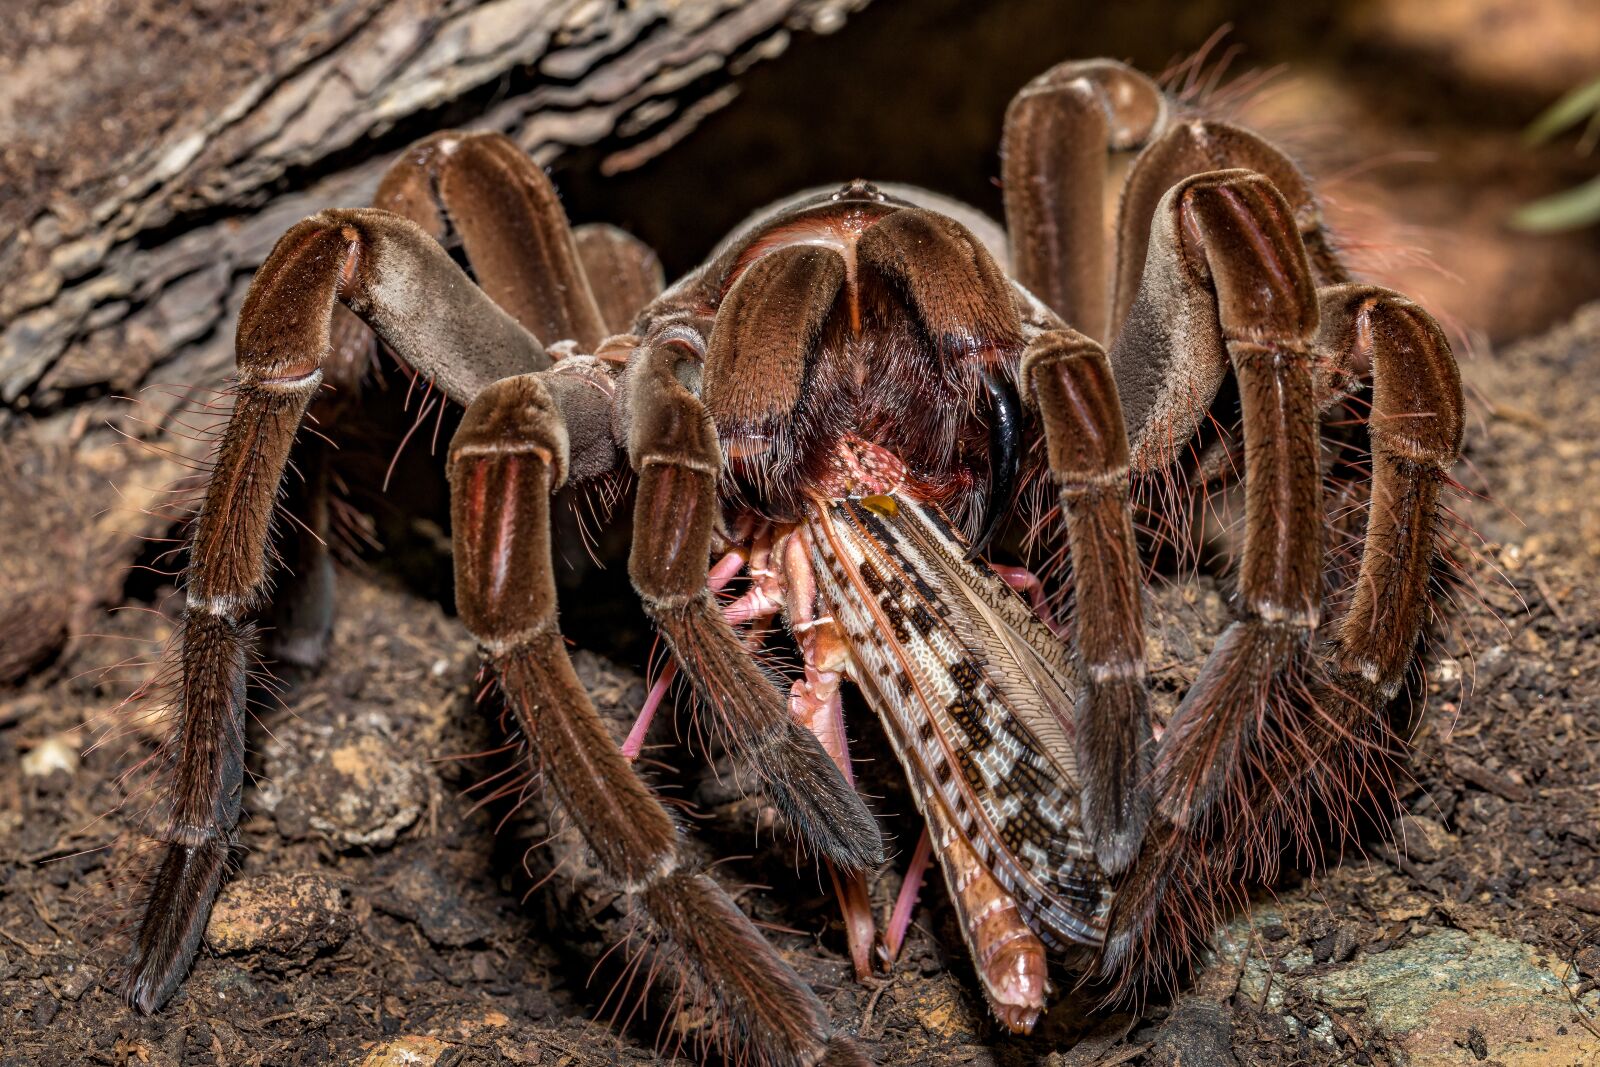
(520, 441)
(406, 287)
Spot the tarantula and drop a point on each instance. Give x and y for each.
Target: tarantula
(848, 403)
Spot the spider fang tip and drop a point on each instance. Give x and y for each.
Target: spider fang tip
(1005, 455)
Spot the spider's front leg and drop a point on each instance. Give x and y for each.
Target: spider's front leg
(1070, 381)
(672, 444)
(439, 323)
(521, 440)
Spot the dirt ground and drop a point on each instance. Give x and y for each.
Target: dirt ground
(395, 904)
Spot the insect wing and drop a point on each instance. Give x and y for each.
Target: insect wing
(975, 694)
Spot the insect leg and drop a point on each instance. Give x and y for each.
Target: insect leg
(816, 702)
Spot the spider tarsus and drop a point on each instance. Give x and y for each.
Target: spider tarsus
(751, 718)
(805, 785)
(207, 767)
(1202, 749)
(1115, 823)
(769, 1007)
(1114, 753)
(1168, 906)
(181, 894)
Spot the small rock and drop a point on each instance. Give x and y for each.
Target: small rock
(1422, 839)
(420, 893)
(1422, 996)
(1198, 1033)
(291, 915)
(1335, 947)
(361, 794)
(75, 981)
(1477, 1043)
(1316, 928)
(58, 752)
(412, 1050)
(44, 1010)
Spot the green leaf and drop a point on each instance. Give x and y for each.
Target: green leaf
(1570, 110)
(1565, 210)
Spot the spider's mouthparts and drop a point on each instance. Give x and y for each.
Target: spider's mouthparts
(1005, 455)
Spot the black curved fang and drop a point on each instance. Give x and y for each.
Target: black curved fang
(1005, 455)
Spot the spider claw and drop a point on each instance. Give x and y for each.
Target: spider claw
(170, 933)
(1115, 765)
(1117, 828)
(1201, 754)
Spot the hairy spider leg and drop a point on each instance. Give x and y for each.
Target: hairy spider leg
(511, 452)
(480, 191)
(404, 284)
(1217, 272)
(1071, 383)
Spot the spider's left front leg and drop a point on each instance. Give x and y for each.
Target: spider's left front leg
(1068, 378)
(672, 444)
(520, 440)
